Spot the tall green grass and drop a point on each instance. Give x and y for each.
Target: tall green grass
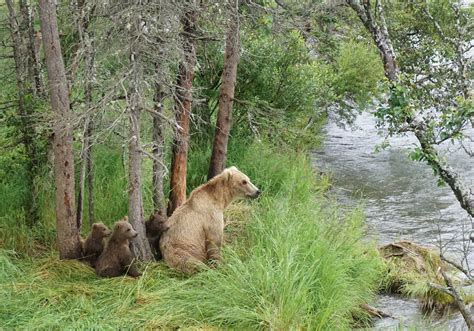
(295, 263)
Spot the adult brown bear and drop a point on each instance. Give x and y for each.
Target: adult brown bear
(196, 228)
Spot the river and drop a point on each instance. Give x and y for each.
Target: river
(401, 200)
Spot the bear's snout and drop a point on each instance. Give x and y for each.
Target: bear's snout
(256, 194)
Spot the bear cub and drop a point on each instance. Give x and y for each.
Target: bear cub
(94, 244)
(155, 226)
(117, 259)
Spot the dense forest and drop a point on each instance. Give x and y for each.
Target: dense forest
(114, 109)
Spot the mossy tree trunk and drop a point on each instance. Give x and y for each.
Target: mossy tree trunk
(379, 31)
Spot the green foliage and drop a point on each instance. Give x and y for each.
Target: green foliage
(399, 108)
(295, 264)
(417, 155)
(426, 35)
(278, 88)
(358, 72)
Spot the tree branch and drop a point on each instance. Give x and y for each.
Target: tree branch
(457, 266)
(466, 313)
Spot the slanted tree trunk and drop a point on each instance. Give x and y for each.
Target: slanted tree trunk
(158, 153)
(463, 308)
(183, 105)
(226, 98)
(86, 173)
(25, 112)
(140, 244)
(457, 184)
(382, 40)
(66, 226)
(379, 34)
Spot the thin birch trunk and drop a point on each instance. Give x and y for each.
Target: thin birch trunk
(382, 40)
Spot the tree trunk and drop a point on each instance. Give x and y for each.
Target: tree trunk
(90, 175)
(465, 310)
(67, 231)
(445, 171)
(25, 112)
(140, 244)
(86, 174)
(158, 153)
(183, 104)
(379, 35)
(33, 56)
(226, 98)
(86, 153)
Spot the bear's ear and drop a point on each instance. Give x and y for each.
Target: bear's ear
(94, 226)
(125, 218)
(227, 173)
(233, 168)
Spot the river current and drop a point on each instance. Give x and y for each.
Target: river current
(401, 200)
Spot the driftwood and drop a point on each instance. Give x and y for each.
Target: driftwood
(409, 263)
(375, 312)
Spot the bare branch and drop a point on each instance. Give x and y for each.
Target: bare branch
(466, 313)
(457, 266)
(441, 289)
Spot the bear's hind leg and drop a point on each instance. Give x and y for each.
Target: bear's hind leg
(185, 262)
(190, 265)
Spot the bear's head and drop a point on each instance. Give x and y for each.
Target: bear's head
(100, 230)
(155, 225)
(124, 230)
(240, 184)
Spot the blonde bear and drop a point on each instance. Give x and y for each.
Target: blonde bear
(196, 229)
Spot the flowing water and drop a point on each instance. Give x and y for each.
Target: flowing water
(401, 201)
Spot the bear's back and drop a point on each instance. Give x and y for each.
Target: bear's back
(185, 232)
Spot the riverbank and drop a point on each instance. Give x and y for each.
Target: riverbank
(401, 201)
(294, 261)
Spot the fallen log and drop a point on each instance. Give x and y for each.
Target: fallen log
(375, 312)
(417, 271)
